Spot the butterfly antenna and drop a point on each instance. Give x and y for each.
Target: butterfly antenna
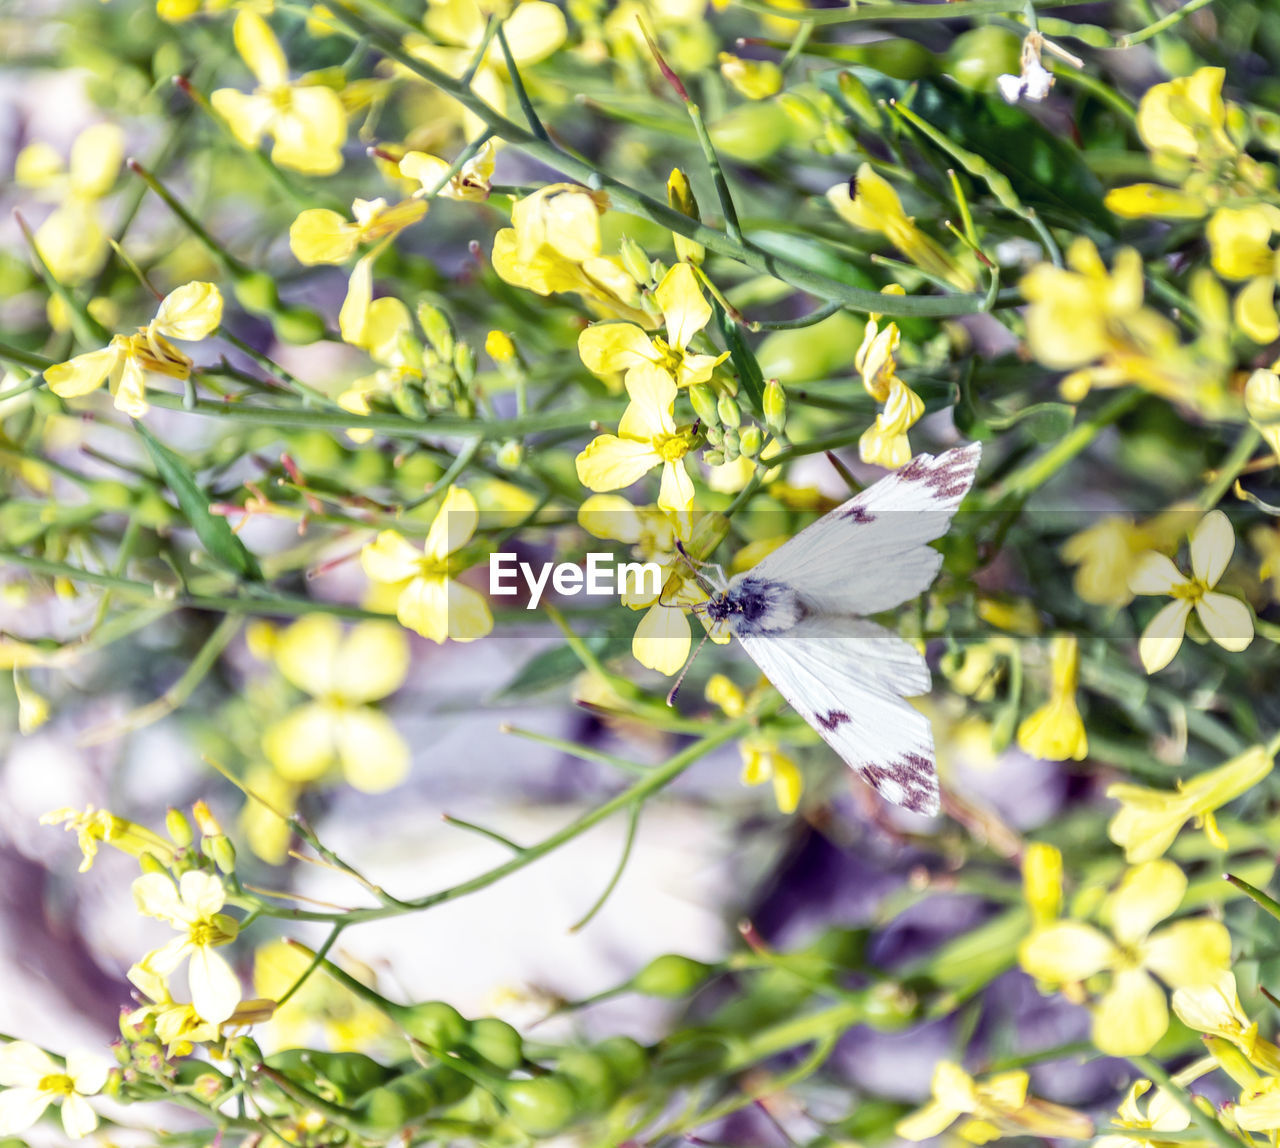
(671, 697)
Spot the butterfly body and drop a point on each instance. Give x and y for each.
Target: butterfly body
(802, 615)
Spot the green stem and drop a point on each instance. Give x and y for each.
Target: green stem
(1235, 462)
(1162, 24)
(24, 359)
(961, 9)
(526, 105)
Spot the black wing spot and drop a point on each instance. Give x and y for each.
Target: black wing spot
(949, 475)
(832, 719)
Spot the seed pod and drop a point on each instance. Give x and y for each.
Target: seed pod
(670, 976)
(591, 1077)
(298, 325)
(440, 1026)
(542, 1106)
(497, 1042)
(256, 292)
(626, 1057)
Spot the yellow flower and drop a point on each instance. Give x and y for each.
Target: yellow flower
(1240, 245)
(755, 79)
(307, 122)
(1164, 1114)
(1042, 881)
(1105, 555)
(534, 30)
(343, 673)
(1055, 732)
(870, 203)
(763, 761)
(606, 348)
(988, 1109)
(94, 825)
(662, 639)
(553, 245)
(1262, 402)
(472, 181)
(1149, 819)
(1131, 1014)
(1226, 620)
(192, 907)
(428, 600)
(178, 1026)
(322, 236)
(72, 240)
(322, 1013)
(32, 1080)
(647, 437)
(1214, 1009)
(189, 313)
(264, 824)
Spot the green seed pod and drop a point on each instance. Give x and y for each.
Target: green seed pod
(403, 1101)
(464, 362)
(860, 100)
(728, 410)
(591, 1077)
(542, 1106)
(713, 457)
(497, 1042)
(299, 325)
(978, 58)
(806, 120)
(256, 292)
(749, 441)
(775, 406)
(715, 436)
(440, 1026)
(409, 401)
(703, 399)
(670, 976)
(626, 1057)
(178, 828)
(751, 132)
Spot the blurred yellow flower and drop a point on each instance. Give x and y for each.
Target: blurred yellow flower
(307, 122)
(72, 240)
(647, 437)
(1227, 620)
(1055, 732)
(1262, 403)
(763, 761)
(1240, 245)
(662, 639)
(319, 235)
(189, 313)
(869, 202)
(263, 824)
(1131, 1014)
(322, 1013)
(343, 673)
(193, 907)
(94, 825)
(553, 245)
(989, 1109)
(1149, 819)
(1042, 881)
(471, 181)
(428, 600)
(607, 348)
(755, 79)
(32, 1080)
(1105, 555)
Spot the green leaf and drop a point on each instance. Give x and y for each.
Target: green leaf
(553, 668)
(214, 532)
(744, 361)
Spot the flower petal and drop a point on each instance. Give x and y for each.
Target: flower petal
(390, 558)
(301, 744)
(676, 492)
(1187, 953)
(191, 312)
(1155, 573)
(1162, 639)
(82, 374)
(374, 756)
(373, 664)
(661, 641)
(1131, 1016)
(202, 894)
(307, 653)
(423, 607)
(24, 1065)
(88, 1071)
(260, 49)
(606, 348)
(684, 308)
(1212, 544)
(454, 524)
(155, 895)
(1149, 893)
(20, 1108)
(78, 1118)
(215, 989)
(469, 615)
(611, 463)
(1066, 952)
(1227, 620)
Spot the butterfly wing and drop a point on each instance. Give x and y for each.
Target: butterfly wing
(873, 552)
(848, 678)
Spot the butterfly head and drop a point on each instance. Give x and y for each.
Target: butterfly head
(756, 606)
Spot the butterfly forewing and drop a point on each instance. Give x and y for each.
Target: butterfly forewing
(800, 615)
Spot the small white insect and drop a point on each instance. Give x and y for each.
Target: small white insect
(801, 614)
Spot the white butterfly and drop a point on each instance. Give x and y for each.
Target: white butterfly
(801, 615)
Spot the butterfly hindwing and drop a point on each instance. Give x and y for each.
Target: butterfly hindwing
(848, 678)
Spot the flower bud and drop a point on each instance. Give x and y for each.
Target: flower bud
(713, 457)
(703, 399)
(775, 406)
(749, 440)
(680, 196)
(510, 454)
(634, 261)
(860, 100)
(435, 325)
(732, 447)
(715, 436)
(206, 821)
(728, 411)
(223, 854)
(178, 828)
(464, 362)
(755, 79)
